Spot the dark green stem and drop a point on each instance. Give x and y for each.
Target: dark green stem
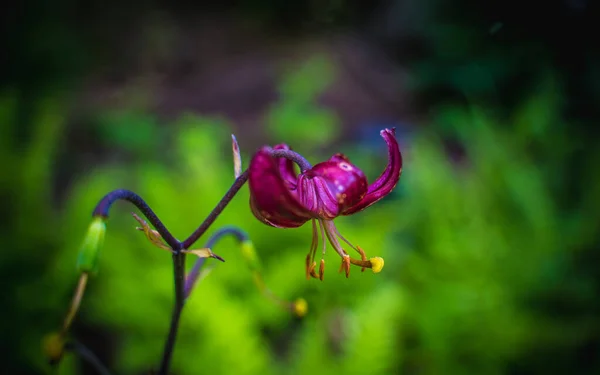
(179, 274)
(103, 207)
(237, 185)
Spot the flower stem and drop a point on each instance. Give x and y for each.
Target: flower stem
(104, 205)
(75, 302)
(179, 269)
(293, 156)
(179, 274)
(237, 185)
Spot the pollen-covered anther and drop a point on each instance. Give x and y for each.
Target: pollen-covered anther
(313, 272)
(308, 266)
(375, 263)
(322, 269)
(345, 266)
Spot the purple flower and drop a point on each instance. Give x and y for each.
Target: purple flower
(281, 198)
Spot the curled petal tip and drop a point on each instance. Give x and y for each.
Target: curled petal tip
(387, 181)
(388, 130)
(376, 264)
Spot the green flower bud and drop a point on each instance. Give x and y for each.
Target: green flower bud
(87, 261)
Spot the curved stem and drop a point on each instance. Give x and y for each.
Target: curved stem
(293, 156)
(102, 209)
(86, 354)
(237, 185)
(192, 277)
(105, 203)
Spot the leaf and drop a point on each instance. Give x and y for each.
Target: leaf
(203, 253)
(152, 235)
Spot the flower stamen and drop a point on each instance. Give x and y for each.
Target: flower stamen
(329, 231)
(310, 257)
(322, 269)
(360, 251)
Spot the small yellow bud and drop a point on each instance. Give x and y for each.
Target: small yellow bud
(376, 264)
(87, 261)
(300, 307)
(53, 346)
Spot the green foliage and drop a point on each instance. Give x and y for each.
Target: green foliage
(296, 116)
(138, 132)
(34, 294)
(491, 242)
(477, 253)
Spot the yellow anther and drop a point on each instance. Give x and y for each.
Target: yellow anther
(376, 264)
(300, 307)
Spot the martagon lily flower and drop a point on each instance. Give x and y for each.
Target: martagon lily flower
(281, 198)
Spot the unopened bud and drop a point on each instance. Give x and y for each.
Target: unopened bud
(87, 261)
(300, 307)
(53, 347)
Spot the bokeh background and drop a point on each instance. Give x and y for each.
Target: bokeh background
(490, 239)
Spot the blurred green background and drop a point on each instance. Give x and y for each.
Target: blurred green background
(490, 239)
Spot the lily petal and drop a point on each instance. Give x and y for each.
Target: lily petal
(271, 200)
(345, 181)
(388, 179)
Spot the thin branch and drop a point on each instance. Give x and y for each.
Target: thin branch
(75, 302)
(237, 185)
